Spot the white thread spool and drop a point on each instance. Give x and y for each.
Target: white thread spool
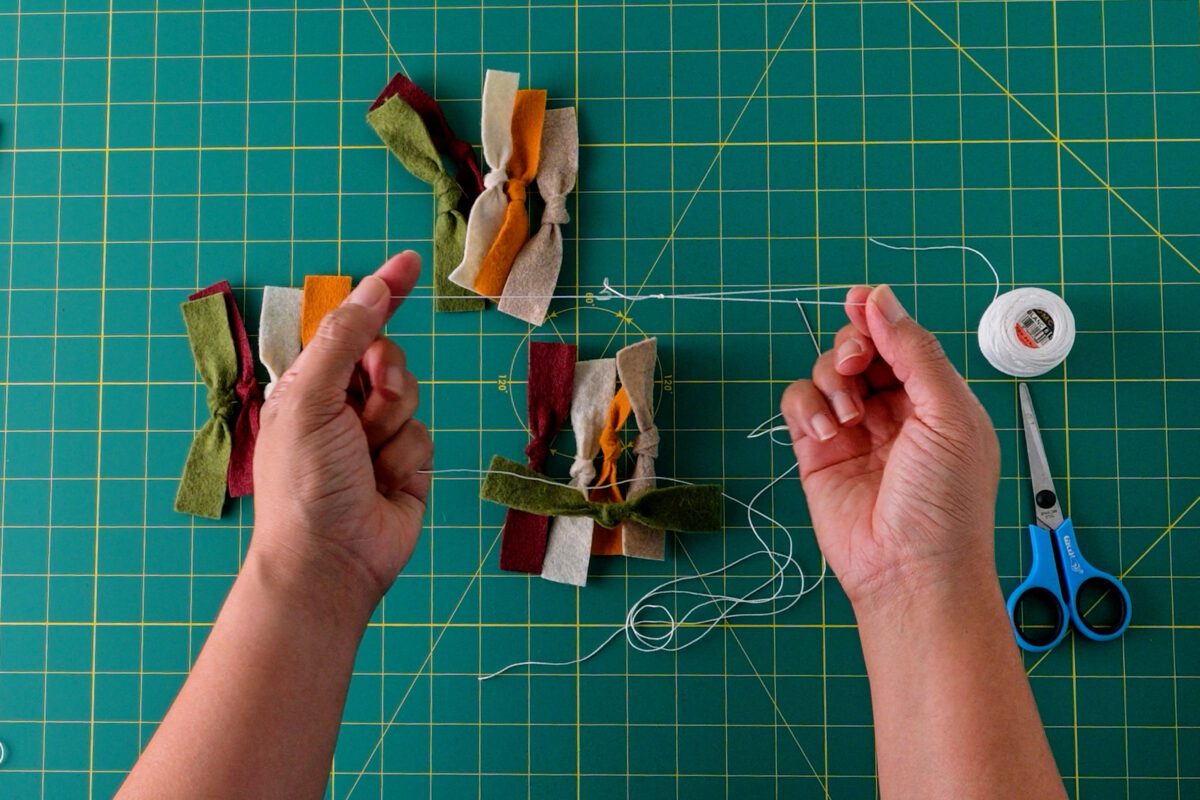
(1026, 332)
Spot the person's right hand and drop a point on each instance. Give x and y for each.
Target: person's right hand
(898, 459)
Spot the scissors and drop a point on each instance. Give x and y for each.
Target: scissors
(1059, 571)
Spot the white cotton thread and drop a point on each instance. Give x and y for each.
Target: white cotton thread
(1027, 332)
(649, 625)
(3, 753)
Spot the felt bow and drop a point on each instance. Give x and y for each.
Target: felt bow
(528, 113)
(677, 508)
(569, 546)
(279, 331)
(466, 168)
(249, 395)
(322, 294)
(401, 129)
(635, 366)
(499, 95)
(534, 274)
(548, 400)
(606, 540)
(205, 473)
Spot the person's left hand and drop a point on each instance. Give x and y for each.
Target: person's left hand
(337, 481)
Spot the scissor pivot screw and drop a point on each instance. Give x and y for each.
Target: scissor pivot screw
(1045, 499)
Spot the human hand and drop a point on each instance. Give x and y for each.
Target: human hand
(336, 475)
(898, 459)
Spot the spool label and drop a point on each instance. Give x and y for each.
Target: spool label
(1035, 328)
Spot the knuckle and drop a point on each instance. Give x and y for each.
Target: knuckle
(339, 330)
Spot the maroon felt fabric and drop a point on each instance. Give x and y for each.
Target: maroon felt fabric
(548, 392)
(250, 397)
(466, 168)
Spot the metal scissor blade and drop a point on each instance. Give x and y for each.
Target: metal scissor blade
(1045, 498)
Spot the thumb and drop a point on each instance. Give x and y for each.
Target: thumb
(325, 366)
(914, 354)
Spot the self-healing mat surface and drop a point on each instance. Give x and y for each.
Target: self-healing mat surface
(150, 149)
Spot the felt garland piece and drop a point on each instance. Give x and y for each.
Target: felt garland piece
(606, 539)
(322, 294)
(279, 331)
(529, 111)
(679, 508)
(249, 395)
(460, 153)
(535, 272)
(499, 95)
(400, 127)
(569, 546)
(548, 392)
(635, 366)
(206, 471)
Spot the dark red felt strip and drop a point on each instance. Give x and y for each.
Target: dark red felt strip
(466, 168)
(245, 429)
(548, 389)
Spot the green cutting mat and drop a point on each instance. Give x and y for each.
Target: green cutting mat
(149, 147)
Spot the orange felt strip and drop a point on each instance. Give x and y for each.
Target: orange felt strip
(529, 112)
(322, 294)
(607, 541)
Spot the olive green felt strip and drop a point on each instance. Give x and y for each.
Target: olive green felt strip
(676, 508)
(400, 127)
(202, 487)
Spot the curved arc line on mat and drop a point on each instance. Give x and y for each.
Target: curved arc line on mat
(717, 155)
(1125, 572)
(1054, 137)
(417, 674)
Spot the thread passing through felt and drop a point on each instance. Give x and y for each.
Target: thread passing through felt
(651, 626)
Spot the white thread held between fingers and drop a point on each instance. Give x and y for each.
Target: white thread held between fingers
(1027, 332)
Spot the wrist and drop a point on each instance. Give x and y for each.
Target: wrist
(929, 586)
(313, 577)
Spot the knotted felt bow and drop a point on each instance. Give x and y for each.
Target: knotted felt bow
(534, 274)
(322, 294)
(569, 546)
(635, 366)
(466, 168)
(249, 395)
(499, 95)
(548, 400)
(606, 539)
(528, 114)
(206, 471)
(400, 127)
(677, 508)
(279, 331)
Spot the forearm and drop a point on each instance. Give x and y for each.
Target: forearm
(954, 713)
(259, 714)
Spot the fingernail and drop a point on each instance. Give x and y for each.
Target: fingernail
(823, 426)
(851, 348)
(393, 380)
(844, 406)
(888, 304)
(370, 292)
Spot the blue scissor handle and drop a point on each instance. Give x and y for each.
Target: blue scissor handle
(1077, 572)
(1041, 584)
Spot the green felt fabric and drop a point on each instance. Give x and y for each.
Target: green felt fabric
(400, 127)
(676, 508)
(202, 487)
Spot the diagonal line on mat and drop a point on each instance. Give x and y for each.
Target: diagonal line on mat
(774, 703)
(1054, 137)
(386, 40)
(716, 156)
(429, 658)
(1125, 572)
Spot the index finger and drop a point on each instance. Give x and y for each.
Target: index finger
(856, 308)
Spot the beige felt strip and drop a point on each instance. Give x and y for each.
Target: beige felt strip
(569, 547)
(535, 272)
(279, 331)
(487, 214)
(635, 366)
